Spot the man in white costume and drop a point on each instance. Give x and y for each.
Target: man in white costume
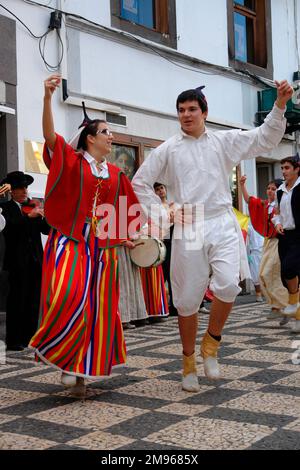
(195, 166)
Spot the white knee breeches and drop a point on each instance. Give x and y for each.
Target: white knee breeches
(218, 259)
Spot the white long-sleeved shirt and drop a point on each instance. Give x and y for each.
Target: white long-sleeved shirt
(196, 170)
(286, 218)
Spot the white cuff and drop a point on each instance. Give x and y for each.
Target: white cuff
(278, 110)
(276, 220)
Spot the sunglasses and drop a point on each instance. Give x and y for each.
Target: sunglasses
(104, 131)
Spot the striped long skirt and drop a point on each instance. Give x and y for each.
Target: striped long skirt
(269, 275)
(154, 291)
(80, 329)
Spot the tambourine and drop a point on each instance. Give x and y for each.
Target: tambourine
(148, 252)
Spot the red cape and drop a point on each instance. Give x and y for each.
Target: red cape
(260, 219)
(71, 187)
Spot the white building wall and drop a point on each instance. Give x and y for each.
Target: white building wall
(97, 11)
(142, 79)
(141, 84)
(202, 30)
(286, 56)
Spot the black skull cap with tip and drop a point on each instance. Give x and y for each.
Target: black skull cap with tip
(86, 119)
(200, 93)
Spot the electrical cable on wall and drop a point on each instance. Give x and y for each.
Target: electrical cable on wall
(42, 46)
(42, 41)
(244, 72)
(18, 19)
(131, 36)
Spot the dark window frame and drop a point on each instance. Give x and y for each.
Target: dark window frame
(238, 197)
(139, 143)
(166, 30)
(263, 29)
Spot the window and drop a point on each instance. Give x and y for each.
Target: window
(249, 37)
(129, 152)
(139, 12)
(265, 173)
(124, 157)
(152, 19)
(147, 151)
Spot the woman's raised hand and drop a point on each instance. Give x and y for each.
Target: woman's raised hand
(243, 180)
(50, 84)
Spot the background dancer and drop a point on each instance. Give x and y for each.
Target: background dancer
(261, 212)
(287, 223)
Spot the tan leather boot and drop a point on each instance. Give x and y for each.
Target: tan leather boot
(209, 349)
(189, 375)
(292, 307)
(296, 325)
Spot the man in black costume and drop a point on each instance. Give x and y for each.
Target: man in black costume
(22, 260)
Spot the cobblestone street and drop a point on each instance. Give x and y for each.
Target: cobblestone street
(141, 406)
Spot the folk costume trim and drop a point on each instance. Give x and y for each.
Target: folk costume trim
(79, 200)
(48, 163)
(115, 203)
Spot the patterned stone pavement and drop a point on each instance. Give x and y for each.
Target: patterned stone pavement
(141, 406)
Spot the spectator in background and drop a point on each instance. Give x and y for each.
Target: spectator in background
(2, 221)
(161, 191)
(22, 260)
(5, 188)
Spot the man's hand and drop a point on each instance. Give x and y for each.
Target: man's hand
(4, 189)
(279, 229)
(184, 215)
(36, 212)
(284, 93)
(172, 210)
(50, 85)
(128, 244)
(243, 180)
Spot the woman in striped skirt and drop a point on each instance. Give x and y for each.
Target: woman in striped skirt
(80, 330)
